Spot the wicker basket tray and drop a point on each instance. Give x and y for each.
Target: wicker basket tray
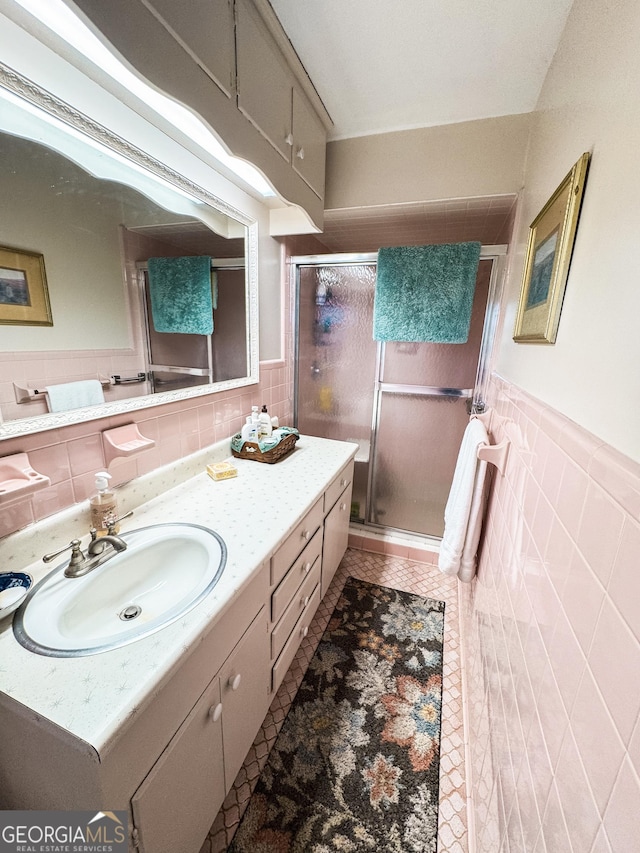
(251, 449)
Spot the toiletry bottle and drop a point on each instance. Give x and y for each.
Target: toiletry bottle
(255, 415)
(103, 504)
(245, 432)
(275, 423)
(265, 423)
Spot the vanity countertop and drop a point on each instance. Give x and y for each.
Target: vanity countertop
(94, 697)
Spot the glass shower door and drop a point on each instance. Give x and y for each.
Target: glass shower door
(406, 404)
(423, 396)
(336, 361)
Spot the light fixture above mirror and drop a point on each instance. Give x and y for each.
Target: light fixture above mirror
(147, 208)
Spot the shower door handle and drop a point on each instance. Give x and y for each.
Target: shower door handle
(425, 390)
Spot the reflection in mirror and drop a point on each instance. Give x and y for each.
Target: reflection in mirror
(96, 218)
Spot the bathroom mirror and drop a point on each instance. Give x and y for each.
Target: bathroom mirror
(93, 210)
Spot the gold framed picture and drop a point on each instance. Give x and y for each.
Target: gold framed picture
(24, 297)
(551, 238)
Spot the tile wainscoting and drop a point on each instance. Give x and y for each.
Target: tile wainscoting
(551, 639)
(70, 456)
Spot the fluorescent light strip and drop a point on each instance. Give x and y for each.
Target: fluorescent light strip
(59, 18)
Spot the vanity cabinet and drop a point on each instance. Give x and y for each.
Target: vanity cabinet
(198, 691)
(201, 761)
(302, 569)
(337, 507)
(269, 96)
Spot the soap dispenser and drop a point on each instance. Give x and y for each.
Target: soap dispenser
(265, 423)
(104, 507)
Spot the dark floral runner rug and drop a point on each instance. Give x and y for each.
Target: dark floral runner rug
(355, 765)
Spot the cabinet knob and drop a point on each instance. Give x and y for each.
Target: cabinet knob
(343, 482)
(234, 681)
(289, 139)
(215, 712)
(304, 632)
(304, 601)
(306, 535)
(343, 506)
(300, 153)
(306, 568)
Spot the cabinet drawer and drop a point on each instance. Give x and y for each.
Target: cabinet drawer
(300, 600)
(294, 577)
(289, 550)
(337, 487)
(295, 638)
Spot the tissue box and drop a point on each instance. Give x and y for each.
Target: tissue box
(221, 470)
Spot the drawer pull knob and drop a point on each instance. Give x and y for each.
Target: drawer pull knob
(300, 153)
(304, 632)
(343, 482)
(289, 139)
(306, 535)
(304, 601)
(343, 506)
(215, 712)
(234, 681)
(306, 568)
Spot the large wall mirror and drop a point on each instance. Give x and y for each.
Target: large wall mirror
(81, 214)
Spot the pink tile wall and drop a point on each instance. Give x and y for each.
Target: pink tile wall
(552, 642)
(70, 456)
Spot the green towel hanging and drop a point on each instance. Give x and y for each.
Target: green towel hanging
(425, 293)
(181, 293)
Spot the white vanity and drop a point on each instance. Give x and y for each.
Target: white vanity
(161, 726)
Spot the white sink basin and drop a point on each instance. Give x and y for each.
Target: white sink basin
(165, 571)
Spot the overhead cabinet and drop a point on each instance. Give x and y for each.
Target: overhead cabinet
(206, 33)
(270, 97)
(230, 62)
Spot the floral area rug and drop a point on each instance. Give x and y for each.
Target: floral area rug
(355, 765)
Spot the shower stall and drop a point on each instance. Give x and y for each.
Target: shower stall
(405, 404)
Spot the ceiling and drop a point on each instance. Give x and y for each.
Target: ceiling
(386, 65)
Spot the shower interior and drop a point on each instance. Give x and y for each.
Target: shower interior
(405, 404)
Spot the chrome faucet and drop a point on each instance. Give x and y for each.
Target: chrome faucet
(99, 550)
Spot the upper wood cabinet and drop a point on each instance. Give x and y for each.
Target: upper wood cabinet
(206, 31)
(231, 62)
(270, 97)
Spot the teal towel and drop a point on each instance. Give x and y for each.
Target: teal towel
(181, 294)
(425, 293)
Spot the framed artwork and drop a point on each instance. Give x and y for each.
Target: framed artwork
(551, 238)
(24, 297)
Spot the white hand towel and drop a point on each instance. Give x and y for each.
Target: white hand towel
(74, 395)
(463, 512)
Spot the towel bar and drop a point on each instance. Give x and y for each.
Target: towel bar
(495, 454)
(26, 395)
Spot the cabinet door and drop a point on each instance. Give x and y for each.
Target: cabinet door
(264, 81)
(176, 804)
(244, 685)
(336, 537)
(205, 30)
(309, 144)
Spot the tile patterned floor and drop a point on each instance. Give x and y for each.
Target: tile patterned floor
(401, 574)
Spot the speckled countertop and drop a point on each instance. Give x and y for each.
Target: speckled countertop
(94, 697)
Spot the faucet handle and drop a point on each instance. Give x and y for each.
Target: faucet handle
(112, 522)
(76, 553)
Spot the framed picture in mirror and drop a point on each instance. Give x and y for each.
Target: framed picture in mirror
(551, 238)
(24, 297)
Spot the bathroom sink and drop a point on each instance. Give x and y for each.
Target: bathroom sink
(165, 571)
